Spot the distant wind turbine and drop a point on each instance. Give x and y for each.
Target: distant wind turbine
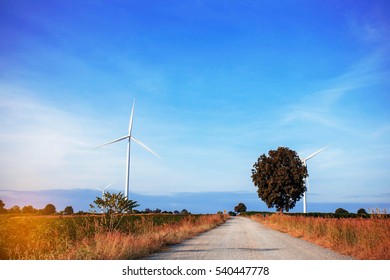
(104, 190)
(129, 137)
(307, 179)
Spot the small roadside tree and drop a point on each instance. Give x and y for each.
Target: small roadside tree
(14, 209)
(231, 213)
(279, 178)
(115, 203)
(68, 210)
(29, 209)
(341, 211)
(240, 208)
(362, 212)
(113, 206)
(49, 209)
(2, 209)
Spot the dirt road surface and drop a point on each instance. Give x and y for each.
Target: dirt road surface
(244, 239)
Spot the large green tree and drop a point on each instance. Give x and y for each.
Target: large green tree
(280, 178)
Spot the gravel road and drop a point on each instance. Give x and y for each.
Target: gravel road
(244, 239)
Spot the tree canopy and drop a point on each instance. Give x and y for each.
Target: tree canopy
(49, 209)
(68, 210)
(362, 212)
(114, 203)
(240, 208)
(29, 209)
(341, 211)
(14, 209)
(280, 178)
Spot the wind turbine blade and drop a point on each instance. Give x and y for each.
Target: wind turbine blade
(131, 118)
(113, 141)
(108, 186)
(144, 146)
(313, 154)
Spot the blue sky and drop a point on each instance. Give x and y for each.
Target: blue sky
(217, 84)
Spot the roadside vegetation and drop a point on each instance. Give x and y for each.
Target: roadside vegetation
(365, 237)
(112, 229)
(88, 237)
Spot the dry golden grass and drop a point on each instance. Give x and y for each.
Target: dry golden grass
(119, 245)
(360, 238)
(86, 238)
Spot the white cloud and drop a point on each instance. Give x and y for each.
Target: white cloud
(41, 146)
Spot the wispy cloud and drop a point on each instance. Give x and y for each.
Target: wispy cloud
(42, 146)
(325, 106)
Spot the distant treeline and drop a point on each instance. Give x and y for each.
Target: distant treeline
(323, 215)
(50, 209)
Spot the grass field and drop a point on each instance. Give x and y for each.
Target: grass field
(87, 237)
(360, 238)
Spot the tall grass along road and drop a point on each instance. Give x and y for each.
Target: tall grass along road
(362, 238)
(241, 238)
(86, 238)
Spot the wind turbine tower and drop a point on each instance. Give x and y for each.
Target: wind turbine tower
(129, 137)
(307, 179)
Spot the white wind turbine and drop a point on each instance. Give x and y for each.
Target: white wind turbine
(306, 179)
(129, 137)
(104, 190)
